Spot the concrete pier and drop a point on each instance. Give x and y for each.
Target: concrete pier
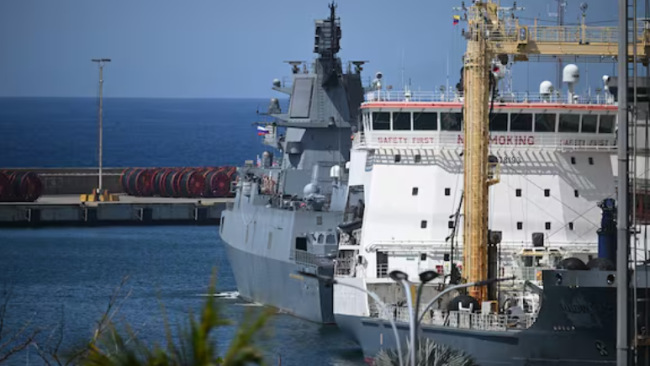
(68, 210)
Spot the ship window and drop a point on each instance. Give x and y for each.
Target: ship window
(499, 122)
(425, 121)
(547, 193)
(589, 123)
(570, 226)
(591, 161)
(518, 192)
(330, 239)
(451, 121)
(575, 193)
(446, 257)
(447, 191)
(381, 121)
(418, 158)
(321, 238)
(301, 243)
(423, 224)
(547, 225)
(450, 224)
(423, 256)
(544, 122)
(573, 160)
(520, 225)
(398, 158)
(414, 191)
(521, 122)
(402, 121)
(319, 220)
(606, 124)
(569, 123)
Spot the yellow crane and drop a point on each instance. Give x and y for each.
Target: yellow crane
(491, 35)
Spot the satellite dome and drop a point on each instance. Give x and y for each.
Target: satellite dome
(277, 83)
(570, 74)
(545, 87)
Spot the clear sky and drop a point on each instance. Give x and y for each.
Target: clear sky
(217, 48)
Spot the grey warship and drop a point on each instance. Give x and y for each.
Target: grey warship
(283, 217)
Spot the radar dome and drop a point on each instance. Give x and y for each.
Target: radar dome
(335, 171)
(570, 74)
(310, 189)
(379, 75)
(545, 87)
(277, 83)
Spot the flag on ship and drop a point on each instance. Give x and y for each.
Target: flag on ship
(456, 19)
(259, 161)
(261, 131)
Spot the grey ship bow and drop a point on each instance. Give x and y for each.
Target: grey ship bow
(284, 217)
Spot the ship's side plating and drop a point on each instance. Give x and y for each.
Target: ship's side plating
(283, 218)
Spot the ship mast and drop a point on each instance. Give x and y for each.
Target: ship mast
(489, 35)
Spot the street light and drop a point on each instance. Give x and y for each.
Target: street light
(382, 305)
(402, 278)
(100, 62)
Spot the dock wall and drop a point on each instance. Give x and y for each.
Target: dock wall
(51, 211)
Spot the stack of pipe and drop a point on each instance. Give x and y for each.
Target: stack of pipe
(20, 186)
(178, 182)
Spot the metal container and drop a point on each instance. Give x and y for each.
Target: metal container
(26, 186)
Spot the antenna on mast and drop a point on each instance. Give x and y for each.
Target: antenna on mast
(559, 14)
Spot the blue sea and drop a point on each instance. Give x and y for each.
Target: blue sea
(65, 277)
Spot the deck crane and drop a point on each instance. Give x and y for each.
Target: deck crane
(491, 35)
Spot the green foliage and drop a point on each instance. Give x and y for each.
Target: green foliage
(193, 345)
(427, 354)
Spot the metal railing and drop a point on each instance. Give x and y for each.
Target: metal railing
(464, 320)
(454, 97)
(344, 266)
(302, 257)
(509, 141)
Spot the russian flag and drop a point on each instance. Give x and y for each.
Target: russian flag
(261, 131)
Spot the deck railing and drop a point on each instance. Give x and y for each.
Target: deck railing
(431, 96)
(464, 320)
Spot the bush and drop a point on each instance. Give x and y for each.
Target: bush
(428, 354)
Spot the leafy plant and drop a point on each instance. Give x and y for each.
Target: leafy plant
(428, 354)
(192, 345)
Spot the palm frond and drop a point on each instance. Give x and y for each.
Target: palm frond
(428, 353)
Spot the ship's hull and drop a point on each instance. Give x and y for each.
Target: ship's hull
(514, 348)
(575, 326)
(275, 283)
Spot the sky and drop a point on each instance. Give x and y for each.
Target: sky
(234, 49)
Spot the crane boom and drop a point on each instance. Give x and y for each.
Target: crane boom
(490, 35)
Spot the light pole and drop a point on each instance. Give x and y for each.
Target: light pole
(425, 277)
(100, 62)
(402, 278)
(374, 296)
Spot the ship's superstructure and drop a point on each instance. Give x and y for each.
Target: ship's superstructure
(284, 216)
(492, 184)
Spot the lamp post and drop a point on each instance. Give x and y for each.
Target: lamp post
(425, 277)
(100, 62)
(402, 278)
(374, 296)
